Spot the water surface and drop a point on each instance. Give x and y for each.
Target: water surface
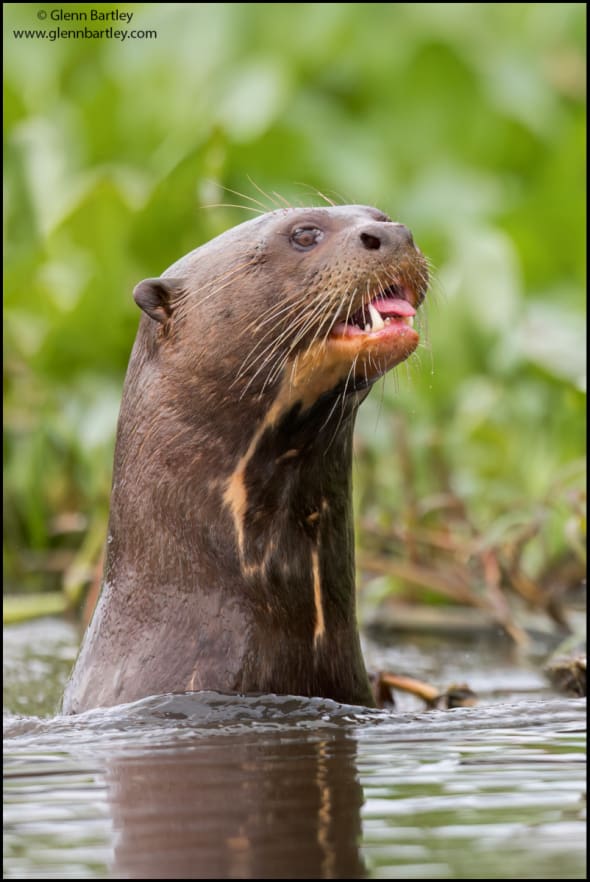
(211, 786)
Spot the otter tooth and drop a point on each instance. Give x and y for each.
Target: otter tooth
(376, 319)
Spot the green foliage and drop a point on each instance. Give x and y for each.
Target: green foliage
(464, 121)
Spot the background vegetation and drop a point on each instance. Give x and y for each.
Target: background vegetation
(465, 121)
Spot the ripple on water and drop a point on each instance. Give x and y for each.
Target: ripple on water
(212, 786)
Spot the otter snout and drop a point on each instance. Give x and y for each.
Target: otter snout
(386, 235)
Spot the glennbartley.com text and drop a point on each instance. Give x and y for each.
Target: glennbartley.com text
(87, 32)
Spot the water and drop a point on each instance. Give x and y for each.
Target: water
(226, 787)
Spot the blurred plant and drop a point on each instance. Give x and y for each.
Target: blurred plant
(466, 121)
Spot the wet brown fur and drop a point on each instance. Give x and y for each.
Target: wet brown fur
(231, 499)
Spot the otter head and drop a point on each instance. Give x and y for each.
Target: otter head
(296, 305)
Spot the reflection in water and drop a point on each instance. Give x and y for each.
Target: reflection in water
(236, 807)
(211, 786)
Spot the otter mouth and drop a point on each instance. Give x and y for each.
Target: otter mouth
(371, 341)
(376, 337)
(391, 306)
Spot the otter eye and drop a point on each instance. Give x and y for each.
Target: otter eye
(306, 237)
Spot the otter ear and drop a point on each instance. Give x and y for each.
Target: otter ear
(158, 297)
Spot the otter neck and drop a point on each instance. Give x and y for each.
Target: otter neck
(261, 595)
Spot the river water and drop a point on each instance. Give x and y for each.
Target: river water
(205, 786)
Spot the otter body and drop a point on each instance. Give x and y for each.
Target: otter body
(230, 550)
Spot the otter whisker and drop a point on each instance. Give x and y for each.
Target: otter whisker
(230, 278)
(343, 296)
(350, 374)
(326, 199)
(303, 331)
(288, 306)
(245, 196)
(340, 399)
(337, 399)
(257, 211)
(276, 370)
(261, 191)
(312, 319)
(282, 199)
(299, 336)
(275, 342)
(381, 401)
(313, 190)
(332, 307)
(265, 354)
(274, 346)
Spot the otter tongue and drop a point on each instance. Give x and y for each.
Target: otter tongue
(388, 306)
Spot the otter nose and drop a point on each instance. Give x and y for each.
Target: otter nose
(376, 235)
